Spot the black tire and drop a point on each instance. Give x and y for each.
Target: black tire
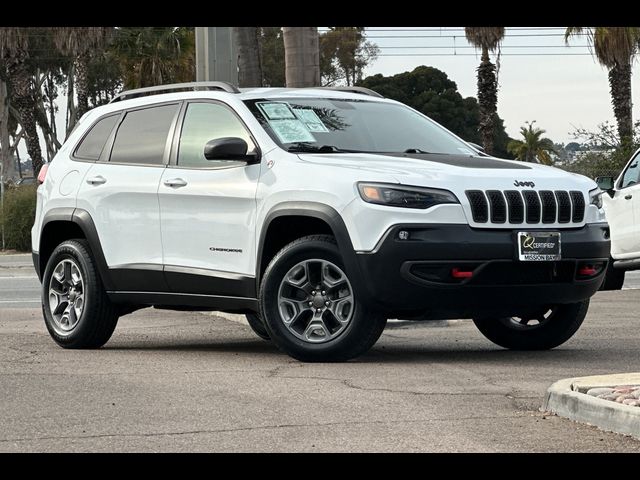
(563, 322)
(361, 333)
(99, 316)
(613, 279)
(257, 325)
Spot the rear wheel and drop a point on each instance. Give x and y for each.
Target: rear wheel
(77, 311)
(546, 329)
(309, 305)
(614, 278)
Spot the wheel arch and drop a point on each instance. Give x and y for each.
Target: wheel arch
(318, 214)
(60, 224)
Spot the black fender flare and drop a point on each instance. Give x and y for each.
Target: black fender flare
(82, 219)
(322, 212)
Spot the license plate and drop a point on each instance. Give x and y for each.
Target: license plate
(538, 246)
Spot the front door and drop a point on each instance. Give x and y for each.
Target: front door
(208, 208)
(623, 213)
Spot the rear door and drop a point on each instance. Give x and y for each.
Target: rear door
(121, 195)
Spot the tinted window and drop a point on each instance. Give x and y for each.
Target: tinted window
(142, 135)
(204, 122)
(632, 174)
(92, 144)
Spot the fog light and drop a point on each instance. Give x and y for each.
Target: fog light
(403, 235)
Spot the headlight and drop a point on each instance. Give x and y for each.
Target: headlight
(595, 196)
(407, 197)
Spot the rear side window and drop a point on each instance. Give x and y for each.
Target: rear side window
(142, 135)
(92, 144)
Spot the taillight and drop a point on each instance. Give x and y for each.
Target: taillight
(43, 173)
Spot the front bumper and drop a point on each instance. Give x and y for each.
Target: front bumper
(412, 278)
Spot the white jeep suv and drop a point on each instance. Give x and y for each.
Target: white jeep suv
(622, 207)
(319, 213)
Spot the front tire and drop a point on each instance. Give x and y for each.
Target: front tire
(309, 305)
(76, 309)
(550, 327)
(257, 325)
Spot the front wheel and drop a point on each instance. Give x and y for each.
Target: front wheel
(257, 325)
(310, 307)
(613, 279)
(546, 329)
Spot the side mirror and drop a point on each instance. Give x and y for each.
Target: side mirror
(476, 146)
(229, 148)
(605, 184)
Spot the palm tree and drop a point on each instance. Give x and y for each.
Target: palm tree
(15, 55)
(615, 48)
(82, 43)
(302, 56)
(488, 39)
(151, 56)
(533, 145)
(249, 56)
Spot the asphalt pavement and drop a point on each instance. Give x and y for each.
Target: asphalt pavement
(186, 381)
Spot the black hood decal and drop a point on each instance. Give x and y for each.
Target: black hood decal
(464, 161)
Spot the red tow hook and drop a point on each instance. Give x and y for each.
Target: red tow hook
(459, 273)
(587, 271)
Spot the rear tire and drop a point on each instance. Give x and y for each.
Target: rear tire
(614, 278)
(309, 306)
(555, 326)
(257, 325)
(76, 309)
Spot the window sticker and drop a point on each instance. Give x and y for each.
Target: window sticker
(310, 120)
(277, 110)
(291, 131)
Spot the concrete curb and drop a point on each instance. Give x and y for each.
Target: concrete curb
(566, 399)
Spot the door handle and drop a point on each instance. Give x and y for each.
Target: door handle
(97, 180)
(628, 197)
(175, 183)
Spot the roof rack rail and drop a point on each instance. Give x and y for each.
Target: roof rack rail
(362, 90)
(141, 92)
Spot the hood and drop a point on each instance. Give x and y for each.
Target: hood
(455, 172)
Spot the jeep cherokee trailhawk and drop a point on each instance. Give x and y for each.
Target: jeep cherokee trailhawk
(319, 213)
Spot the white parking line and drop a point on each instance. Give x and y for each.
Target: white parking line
(20, 301)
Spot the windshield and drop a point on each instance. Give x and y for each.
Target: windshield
(322, 125)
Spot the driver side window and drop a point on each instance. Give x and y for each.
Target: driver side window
(632, 174)
(204, 122)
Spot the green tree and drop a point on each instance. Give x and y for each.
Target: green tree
(615, 49)
(487, 39)
(344, 54)
(431, 92)
(272, 47)
(17, 45)
(533, 146)
(302, 56)
(151, 56)
(81, 44)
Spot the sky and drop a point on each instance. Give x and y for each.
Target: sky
(561, 91)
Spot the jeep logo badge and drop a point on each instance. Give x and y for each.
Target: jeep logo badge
(524, 184)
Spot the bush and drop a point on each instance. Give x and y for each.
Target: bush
(17, 216)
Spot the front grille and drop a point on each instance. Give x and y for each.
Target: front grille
(498, 207)
(530, 206)
(578, 206)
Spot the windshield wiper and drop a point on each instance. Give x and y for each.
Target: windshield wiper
(414, 150)
(303, 147)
